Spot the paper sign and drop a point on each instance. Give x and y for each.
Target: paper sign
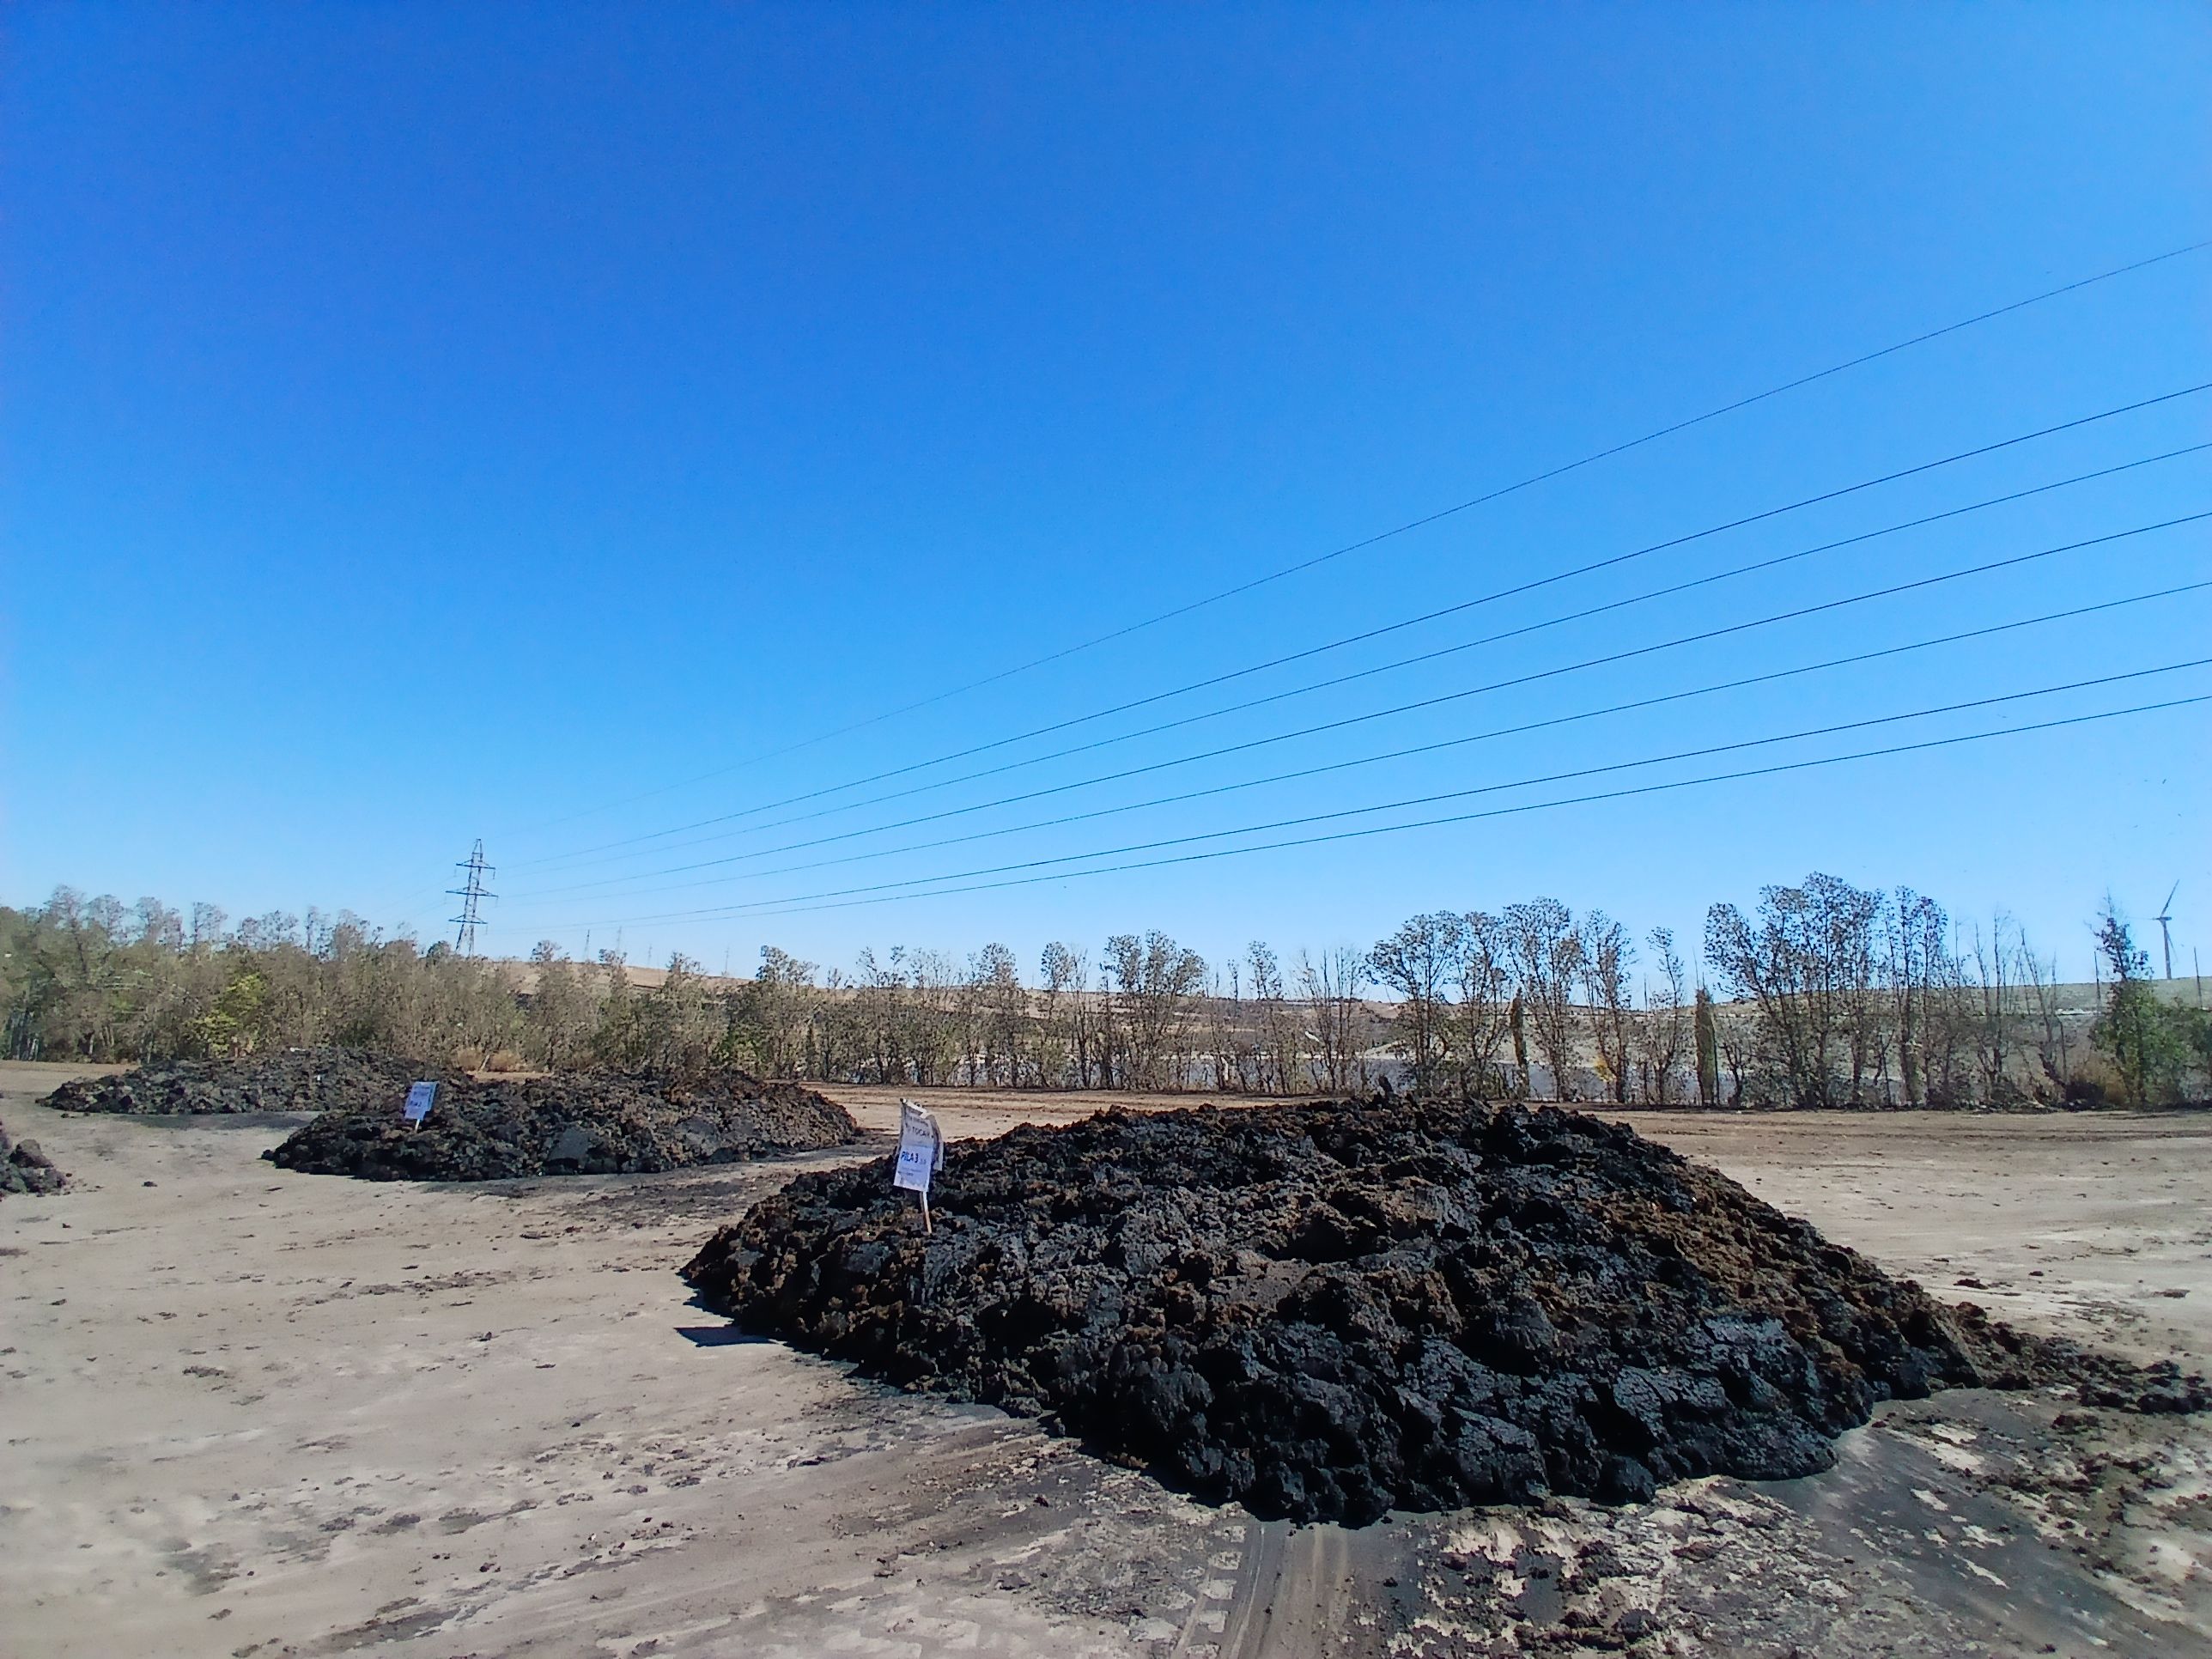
(419, 1098)
(921, 1149)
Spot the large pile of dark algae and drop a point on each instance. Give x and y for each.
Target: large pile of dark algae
(1329, 1311)
(571, 1123)
(287, 1080)
(25, 1168)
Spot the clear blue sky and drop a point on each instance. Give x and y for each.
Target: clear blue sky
(421, 424)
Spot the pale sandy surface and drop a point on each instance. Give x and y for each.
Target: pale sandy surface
(249, 1413)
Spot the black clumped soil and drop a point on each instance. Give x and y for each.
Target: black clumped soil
(1328, 1311)
(574, 1123)
(290, 1080)
(25, 1168)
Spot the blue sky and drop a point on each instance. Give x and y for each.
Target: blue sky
(423, 423)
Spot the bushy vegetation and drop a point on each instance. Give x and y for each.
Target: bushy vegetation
(2161, 1050)
(93, 979)
(1837, 996)
(1829, 995)
(1858, 997)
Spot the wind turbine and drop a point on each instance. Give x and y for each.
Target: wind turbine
(2165, 915)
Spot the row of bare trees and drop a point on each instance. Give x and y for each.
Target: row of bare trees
(1837, 996)
(1145, 1014)
(1533, 1000)
(1860, 997)
(1830, 995)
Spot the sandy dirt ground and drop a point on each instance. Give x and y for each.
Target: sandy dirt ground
(252, 1413)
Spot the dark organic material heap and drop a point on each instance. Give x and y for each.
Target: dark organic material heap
(575, 1123)
(291, 1081)
(1328, 1311)
(25, 1168)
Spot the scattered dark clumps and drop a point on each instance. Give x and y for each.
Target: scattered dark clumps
(290, 1080)
(1328, 1311)
(571, 1123)
(25, 1168)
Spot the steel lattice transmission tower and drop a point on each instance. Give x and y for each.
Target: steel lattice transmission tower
(470, 892)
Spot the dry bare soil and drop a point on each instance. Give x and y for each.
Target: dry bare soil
(255, 1414)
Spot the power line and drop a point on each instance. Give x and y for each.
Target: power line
(1376, 633)
(1532, 806)
(1498, 494)
(1403, 662)
(1303, 773)
(1431, 800)
(1510, 682)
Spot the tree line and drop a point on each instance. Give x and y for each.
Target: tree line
(1824, 994)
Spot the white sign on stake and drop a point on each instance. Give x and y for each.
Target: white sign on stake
(920, 1154)
(419, 1098)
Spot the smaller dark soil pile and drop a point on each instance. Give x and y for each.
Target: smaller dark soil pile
(576, 1123)
(25, 1168)
(1328, 1311)
(293, 1080)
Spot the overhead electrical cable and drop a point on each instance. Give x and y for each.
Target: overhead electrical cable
(1344, 721)
(1531, 806)
(1430, 799)
(1326, 767)
(1366, 634)
(1498, 494)
(1384, 668)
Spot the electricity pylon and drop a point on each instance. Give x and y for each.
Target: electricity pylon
(470, 892)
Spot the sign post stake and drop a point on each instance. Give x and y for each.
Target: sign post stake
(420, 1099)
(920, 1154)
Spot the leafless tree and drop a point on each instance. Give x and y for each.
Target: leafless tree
(1664, 1032)
(1331, 986)
(933, 1007)
(1806, 965)
(1994, 962)
(1482, 1020)
(2054, 1044)
(1280, 1040)
(1606, 956)
(1154, 980)
(1064, 1045)
(1926, 986)
(1546, 952)
(207, 926)
(1420, 964)
(1232, 1051)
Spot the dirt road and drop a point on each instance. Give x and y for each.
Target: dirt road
(254, 1414)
